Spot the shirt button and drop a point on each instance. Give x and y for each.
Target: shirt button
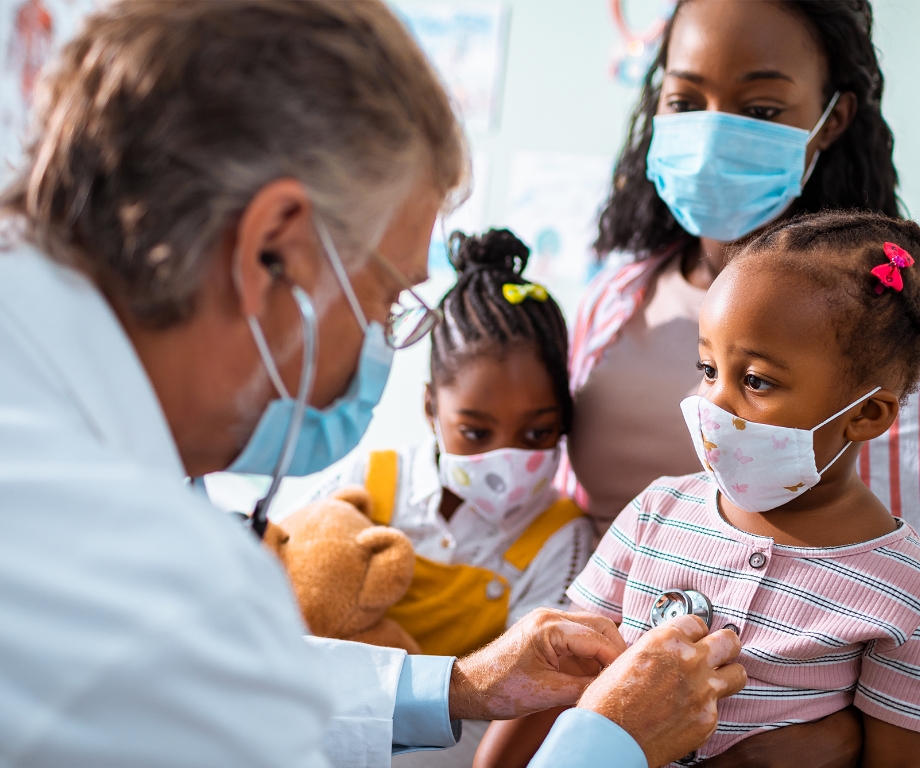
(757, 560)
(445, 543)
(495, 589)
(732, 628)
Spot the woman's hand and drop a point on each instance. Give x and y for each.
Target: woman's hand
(834, 742)
(545, 660)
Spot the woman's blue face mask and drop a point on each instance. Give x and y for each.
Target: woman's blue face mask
(724, 176)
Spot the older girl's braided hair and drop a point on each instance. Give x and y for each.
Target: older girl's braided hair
(480, 320)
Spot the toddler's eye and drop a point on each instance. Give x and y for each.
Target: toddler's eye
(540, 434)
(709, 373)
(756, 383)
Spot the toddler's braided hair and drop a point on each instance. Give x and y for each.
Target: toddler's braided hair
(835, 251)
(479, 320)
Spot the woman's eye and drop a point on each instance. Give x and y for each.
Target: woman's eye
(681, 105)
(756, 383)
(709, 373)
(763, 113)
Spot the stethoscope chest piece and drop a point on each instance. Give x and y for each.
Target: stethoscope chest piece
(681, 602)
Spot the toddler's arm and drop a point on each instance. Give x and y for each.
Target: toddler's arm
(888, 746)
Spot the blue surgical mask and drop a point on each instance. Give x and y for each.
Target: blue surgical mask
(325, 435)
(724, 176)
(293, 438)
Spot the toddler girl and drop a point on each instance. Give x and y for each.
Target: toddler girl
(809, 340)
(493, 538)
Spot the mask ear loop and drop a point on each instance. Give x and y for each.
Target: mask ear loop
(829, 420)
(814, 132)
(339, 268)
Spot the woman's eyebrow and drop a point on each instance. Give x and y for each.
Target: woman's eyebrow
(765, 74)
(693, 77)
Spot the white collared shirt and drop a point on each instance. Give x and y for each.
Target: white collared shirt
(467, 537)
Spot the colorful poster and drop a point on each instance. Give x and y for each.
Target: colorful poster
(30, 31)
(466, 42)
(553, 203)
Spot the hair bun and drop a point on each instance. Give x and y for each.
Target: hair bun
(497, 249)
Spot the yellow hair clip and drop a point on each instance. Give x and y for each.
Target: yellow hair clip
(515, 294)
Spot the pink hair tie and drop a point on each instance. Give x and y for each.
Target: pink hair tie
(889, 275)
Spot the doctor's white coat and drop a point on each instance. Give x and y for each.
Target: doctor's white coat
(139, 626)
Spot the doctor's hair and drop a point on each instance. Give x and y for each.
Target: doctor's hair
(479, 320)
(158, 123)
(856, 171)
(834, 252)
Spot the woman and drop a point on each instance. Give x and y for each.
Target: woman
(712, 155)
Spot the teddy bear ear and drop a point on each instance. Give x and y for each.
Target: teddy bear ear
(390, 564)
(357, 497)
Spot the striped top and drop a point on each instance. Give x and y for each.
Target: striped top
(821, 628)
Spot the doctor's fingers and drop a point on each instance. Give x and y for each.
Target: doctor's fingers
(721, 647)
(570, 638)
(602, 624)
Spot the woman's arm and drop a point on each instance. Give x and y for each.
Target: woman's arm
(513, 743)
(888, 746)
(833, 742)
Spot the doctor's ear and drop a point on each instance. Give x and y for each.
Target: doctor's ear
(837, 121)
(874, 418)
(274, 238)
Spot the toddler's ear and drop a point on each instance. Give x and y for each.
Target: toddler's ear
(874, 418)
(429, 406)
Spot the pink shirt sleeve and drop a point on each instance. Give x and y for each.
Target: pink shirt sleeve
(889, 683)
(599, 588)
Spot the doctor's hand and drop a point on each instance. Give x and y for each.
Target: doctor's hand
(545, 660)
(663, 690)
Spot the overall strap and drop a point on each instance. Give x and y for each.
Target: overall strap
(531, 541)
(381, 482)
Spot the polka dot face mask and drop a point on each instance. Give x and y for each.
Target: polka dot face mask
(758, 467)
(501, 484)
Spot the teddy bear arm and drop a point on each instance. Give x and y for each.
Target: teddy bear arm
(389, 634)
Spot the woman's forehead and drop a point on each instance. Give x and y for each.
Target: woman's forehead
(744, 38)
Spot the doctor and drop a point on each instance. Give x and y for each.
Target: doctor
(221, 206)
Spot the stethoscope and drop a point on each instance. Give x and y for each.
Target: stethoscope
(681, 602)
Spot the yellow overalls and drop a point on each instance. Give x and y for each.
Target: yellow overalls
(454, 609)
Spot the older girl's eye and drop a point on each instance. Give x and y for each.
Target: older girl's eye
(709, 373)
(756, 383)
(539, 434)
(473, 435)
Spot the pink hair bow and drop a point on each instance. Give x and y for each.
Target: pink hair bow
(889, 275)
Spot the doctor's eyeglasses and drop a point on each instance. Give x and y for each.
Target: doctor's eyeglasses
(407, 325)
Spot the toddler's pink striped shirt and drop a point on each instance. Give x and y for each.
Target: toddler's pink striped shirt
(821, 628)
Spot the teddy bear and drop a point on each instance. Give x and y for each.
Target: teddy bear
(346, 571)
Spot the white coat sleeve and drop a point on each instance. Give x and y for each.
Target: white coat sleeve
(372, 686)
(555, 567)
